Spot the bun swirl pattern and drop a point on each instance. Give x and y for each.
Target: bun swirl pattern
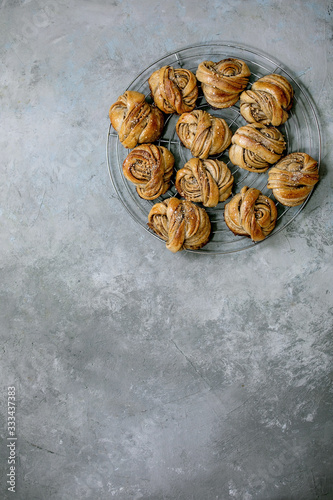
(250, 213)
(222, 82)
(268, 101)
(135, 120)
(174, 90)
(207, 181)
(293, 178)
(255, 147)
(181, 223)
(150, 167)
(203, 134)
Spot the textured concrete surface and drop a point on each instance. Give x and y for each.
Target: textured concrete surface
(141, 374)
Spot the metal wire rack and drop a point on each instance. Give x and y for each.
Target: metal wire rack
(301, 133)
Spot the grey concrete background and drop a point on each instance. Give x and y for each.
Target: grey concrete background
(141, 374)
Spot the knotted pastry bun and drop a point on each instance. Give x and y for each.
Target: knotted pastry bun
(203, 134)
(255, 147)
(222, 82)
(250, 213)
(150, 167)
(174, 90)
(206, 181)
(293, 178)
(181, 223)
(135, 120)
(268, 101)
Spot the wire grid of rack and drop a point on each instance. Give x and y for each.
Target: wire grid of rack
(301, 132)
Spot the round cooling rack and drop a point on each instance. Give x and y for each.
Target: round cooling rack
(301, 132)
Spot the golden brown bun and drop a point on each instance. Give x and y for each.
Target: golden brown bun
(250, 213)
(174, 90)
(255, 147)
(150, 167)
(222, 82)
(206, 181)
(268, 101)
(293, 178)
(181, 223)
(135, 120)
(202, 133)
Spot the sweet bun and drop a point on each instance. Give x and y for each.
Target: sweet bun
(174, 90)
(205, 181)
(150, 168)
(203, 134)
(293, 178)
(135, 120)
(250, 213)
(256, 147)
(181, 223)
(222, 82)
(268, 102)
